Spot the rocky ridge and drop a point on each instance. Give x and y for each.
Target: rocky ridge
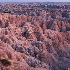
(34, 45)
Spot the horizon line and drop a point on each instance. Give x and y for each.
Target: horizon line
(29, 2)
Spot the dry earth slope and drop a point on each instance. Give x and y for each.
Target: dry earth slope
(33, 46)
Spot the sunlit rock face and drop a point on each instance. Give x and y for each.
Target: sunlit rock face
(35, 41)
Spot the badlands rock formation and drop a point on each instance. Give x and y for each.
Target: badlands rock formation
(30, 43)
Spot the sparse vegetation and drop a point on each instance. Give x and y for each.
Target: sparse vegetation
(5, 62)
(35, 35)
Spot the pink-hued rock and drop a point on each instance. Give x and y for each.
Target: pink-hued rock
(33, 46)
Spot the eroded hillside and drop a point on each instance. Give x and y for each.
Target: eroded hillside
(34, 43)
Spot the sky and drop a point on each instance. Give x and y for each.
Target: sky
(34, 0)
